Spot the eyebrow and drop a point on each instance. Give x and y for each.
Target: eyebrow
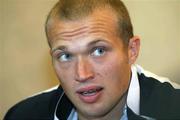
(96, 41)
(64, 48)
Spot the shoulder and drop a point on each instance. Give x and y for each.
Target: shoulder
(162, 92)
(144, 74)
(160, 86)
(158, 97)
(39, 106)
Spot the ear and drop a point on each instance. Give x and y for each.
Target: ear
(133, 49)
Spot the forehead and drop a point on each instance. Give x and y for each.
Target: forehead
(102, 21)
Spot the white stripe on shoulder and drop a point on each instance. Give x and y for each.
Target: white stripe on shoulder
(45, 91)
(159, 78)
(39, 93)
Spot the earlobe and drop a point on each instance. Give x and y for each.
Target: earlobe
(134, 47)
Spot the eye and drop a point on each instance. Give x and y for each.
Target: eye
(64, 57)
(99, 51)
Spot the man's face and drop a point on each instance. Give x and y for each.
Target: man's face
(91, 62)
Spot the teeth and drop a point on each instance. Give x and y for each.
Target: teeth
(89, 93)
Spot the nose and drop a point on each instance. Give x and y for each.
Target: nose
(84, 70)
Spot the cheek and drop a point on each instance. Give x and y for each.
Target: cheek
(64, 74)
(115, 72)
(65, 78)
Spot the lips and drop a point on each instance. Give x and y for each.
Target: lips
(90, 94)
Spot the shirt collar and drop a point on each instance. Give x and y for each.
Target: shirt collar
(74, 115)
(133, 98)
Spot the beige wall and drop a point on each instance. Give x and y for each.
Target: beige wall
(157, 22)
(25, 64)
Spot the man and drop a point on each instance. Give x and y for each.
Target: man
(93, 51)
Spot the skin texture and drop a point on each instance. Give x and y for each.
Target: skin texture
(88, 53)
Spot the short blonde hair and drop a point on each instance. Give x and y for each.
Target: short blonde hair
(76, 9)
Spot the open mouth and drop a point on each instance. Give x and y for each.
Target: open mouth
(90, 94)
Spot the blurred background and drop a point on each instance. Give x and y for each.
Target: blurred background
(25, 63)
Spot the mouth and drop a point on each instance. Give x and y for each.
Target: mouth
(90, 91)
(90, 94)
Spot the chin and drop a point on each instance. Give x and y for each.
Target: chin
(92, 111)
